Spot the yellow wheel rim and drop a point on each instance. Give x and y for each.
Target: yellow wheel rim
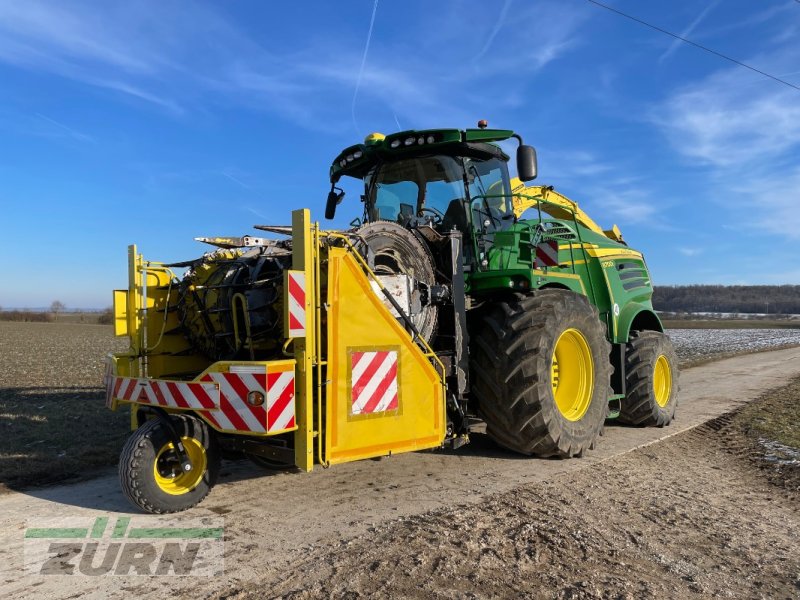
(662, 381)
(572, 375)
(167, 470)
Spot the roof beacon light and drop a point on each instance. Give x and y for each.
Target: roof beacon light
(483, 124)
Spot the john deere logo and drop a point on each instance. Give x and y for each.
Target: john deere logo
(145, 545)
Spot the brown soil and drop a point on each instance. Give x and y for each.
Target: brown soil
(693, 516)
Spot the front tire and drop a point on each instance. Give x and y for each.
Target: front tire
(651, 368)
(150, 472)
(541, 373)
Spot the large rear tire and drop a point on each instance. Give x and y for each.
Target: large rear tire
(150, 472)
(541, 373)
(651, 369)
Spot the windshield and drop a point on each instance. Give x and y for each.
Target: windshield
(434, 186)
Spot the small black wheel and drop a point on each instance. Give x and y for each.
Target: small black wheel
(150, 471)
(651, 369)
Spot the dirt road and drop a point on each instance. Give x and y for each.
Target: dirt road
(273, 522)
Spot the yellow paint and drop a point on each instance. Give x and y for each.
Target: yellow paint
(662, 381)
(613, 253)
(167, 469)
(551, 274)
(374, 138)
(120, 312)
(120, 368)
(558, 205)
(303, 258)
(572, 375)
(359, 321)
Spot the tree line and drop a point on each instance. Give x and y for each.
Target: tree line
(769, 299)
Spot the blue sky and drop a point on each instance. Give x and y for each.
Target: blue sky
(155, 122)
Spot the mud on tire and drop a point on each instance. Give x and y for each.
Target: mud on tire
(147, 465)
(651, 369)
(512, 373)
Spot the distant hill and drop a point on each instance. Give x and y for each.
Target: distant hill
(769, 299)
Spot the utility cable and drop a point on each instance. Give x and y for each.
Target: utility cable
(695, 44)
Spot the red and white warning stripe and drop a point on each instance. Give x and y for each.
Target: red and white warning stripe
(546, 254)
(280, 400)
(221, 398)
(169, 394)
(234, 412)
(374, 382)
(297, 304)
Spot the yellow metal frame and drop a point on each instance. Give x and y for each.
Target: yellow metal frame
(304, 252)
(223, 366)
(421, 371)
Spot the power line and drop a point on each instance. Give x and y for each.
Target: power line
(695, 44)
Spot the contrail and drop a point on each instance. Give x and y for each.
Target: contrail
(363, 63)
(688, 31)
(498, 24)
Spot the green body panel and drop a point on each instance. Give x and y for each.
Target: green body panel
(614, 277)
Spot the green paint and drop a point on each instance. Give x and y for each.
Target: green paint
(121, 527)
(56, 532)
(176, 532)
(100, 524)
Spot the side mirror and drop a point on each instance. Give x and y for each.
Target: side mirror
(526, 163)
(334, 198)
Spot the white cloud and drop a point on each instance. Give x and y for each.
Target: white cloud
(744, 130)
(179, 58)
(730, 119)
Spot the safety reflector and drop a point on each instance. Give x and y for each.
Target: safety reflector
(296, 313)
(546, 254)
(374, 382)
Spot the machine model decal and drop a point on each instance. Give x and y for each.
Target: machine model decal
(374, 382)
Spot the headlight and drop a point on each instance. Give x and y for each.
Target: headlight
(395, 143)
(409, 141)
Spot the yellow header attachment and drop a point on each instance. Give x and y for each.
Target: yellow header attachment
(527, 196)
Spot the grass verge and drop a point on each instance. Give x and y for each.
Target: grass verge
(771, 425)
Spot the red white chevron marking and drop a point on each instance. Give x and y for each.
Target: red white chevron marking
(280, 400)
(297, 303)
(374, 382)
(546, 254)
(157, 392)
(234, 413)
(221, 398)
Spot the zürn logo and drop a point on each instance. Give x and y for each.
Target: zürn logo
(165, 546)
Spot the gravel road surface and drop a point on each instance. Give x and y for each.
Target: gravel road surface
(273, 522)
